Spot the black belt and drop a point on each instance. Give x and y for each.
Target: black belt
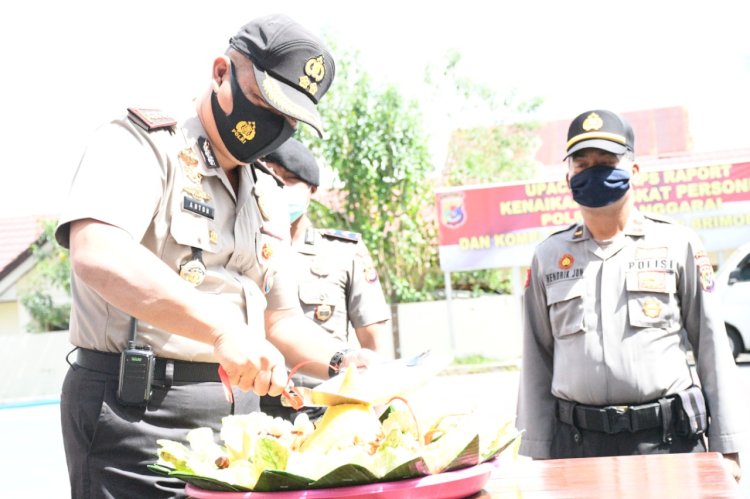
(182, 370)
(613, 419)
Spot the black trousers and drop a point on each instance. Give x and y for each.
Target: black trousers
(570, 442)
(108, 446)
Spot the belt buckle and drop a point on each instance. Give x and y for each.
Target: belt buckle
(618, 419)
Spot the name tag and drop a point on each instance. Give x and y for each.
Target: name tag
(197, 207)
(654, 281)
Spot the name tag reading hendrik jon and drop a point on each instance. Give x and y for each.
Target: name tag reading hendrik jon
(197, 207)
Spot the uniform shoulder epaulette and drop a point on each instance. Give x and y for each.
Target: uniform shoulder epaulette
(150, 119)
(659, 218)
(566, 229)
(344, 235)
(260, 166)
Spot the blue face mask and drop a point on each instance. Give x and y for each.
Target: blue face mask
(599, 185)
(295, 211)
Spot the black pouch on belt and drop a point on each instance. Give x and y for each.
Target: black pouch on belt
(693, 416)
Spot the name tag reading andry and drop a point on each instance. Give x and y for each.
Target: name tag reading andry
(197, 207)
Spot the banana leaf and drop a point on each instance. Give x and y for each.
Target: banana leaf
(345, 476)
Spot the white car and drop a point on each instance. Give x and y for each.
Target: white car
(733, 288)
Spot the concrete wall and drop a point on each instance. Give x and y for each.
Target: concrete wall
(488, 325)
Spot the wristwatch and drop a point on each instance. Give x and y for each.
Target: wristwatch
(334, 366)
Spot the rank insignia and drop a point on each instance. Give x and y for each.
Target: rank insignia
(371, 275)
(193, 272)
(341, 234)
(197, 193)
(578, 233)
(150, 119)
(651, 308)
(208, 153)
(190, 165)
(566, 261)
(268, 281)
(323, 312)
(213, 236)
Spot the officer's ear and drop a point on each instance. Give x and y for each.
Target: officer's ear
(220, 72)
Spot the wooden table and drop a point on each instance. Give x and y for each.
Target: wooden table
(662, 476)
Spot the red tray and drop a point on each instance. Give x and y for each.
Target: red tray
(449, 485)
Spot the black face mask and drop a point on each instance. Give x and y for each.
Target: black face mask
(249, 132)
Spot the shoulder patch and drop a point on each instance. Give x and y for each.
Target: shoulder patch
(659, 218)
(150, 119)
(344, 235)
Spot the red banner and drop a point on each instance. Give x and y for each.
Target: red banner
(498, 226)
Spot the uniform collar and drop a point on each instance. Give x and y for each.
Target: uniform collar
(633, 227)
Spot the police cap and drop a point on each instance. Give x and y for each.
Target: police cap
(292, 66)
(298, 159)
(600, 129)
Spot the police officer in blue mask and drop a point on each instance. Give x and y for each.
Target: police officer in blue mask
(611, 307)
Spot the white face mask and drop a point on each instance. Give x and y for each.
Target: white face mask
(297, 200)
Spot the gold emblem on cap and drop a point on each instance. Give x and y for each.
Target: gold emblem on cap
(323, 312)
(651, 308)
(315, 71)
(193, 272)
(592, 122)
(244, 131)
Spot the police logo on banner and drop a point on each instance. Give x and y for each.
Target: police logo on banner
(452, 211)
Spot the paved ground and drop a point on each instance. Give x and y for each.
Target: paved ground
(33, 463)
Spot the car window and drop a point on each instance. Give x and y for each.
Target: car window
(744, 268)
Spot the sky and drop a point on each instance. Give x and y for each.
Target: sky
(70, 66)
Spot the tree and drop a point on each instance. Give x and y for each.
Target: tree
(501, 149)
(47, 296)
(384, 182)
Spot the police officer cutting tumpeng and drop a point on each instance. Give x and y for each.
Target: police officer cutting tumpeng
(611, 307)
(179, 246)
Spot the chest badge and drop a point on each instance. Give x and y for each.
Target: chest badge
(651, 308)
(193, 271)
(190, 166)
(320, 267)
(566, 261)
(323, 312)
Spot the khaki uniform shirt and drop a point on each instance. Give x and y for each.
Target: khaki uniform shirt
(611, 325)
(338, 285)
(161, 188)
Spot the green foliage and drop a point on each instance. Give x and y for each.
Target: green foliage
(378, 151)
(500, 150)
(51, 279)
